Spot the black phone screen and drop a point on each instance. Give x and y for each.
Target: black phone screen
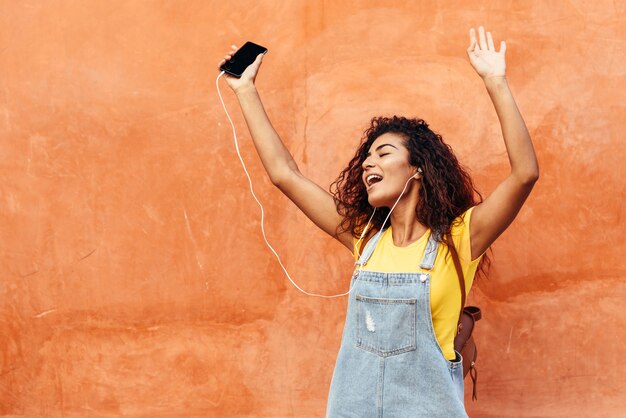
(242, 59)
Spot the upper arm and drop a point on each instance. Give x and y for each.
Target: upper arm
(316, 203)
(491, 217)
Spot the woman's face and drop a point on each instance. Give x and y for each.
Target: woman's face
(386, 170)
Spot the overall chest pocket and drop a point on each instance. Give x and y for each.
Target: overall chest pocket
(385, 327)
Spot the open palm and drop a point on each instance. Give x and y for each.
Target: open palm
(483, 55)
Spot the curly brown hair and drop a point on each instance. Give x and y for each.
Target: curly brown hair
(447, 189)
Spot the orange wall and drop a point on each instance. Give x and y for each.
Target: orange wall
(135, 280)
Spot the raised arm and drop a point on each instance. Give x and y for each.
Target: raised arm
(491, 217)
(315, 202)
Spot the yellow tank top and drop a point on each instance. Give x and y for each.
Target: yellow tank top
(445, 293)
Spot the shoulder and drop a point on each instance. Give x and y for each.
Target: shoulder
(461, 224)
(461, 236)
(359, 244)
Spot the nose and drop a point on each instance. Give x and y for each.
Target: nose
(367, 164)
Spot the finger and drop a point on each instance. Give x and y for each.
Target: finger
(257, 62)
(470, 48)
(502, 47)
(481, 36)
(490, 42)
(233, 46)
(254, 67)
(473, 37)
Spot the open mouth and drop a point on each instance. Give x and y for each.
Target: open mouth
(373, 179)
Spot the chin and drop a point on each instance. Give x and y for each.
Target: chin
(379, 199)
(377, 203)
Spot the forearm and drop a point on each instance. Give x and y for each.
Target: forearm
(275, 157)
(516, 138)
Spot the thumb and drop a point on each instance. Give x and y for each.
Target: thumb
(254, 67)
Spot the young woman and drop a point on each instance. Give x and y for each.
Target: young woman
(400, 204)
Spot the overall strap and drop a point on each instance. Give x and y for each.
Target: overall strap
(430, 253)
(369, 248)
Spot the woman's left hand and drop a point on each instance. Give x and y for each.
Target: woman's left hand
(483, 56)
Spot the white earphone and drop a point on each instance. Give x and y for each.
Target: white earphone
(417, 175)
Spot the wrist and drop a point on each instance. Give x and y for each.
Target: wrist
(495, 83)
(245, 89)
(494, 80)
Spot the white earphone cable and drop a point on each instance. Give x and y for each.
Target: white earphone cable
(263, 211)
(261, 206)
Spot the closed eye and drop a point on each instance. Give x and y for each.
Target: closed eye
(382, 155)
(380, 147)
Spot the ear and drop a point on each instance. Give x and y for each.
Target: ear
(418, 175)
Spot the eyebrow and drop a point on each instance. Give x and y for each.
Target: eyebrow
(379, 147)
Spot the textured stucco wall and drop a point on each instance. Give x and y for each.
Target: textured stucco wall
(134, 280)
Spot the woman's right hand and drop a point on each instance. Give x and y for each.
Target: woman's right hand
(249, 75)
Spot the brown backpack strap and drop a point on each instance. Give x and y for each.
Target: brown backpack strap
(459, 273)
(474, 375)
(472, 311)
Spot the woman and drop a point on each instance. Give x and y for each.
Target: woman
(399, 206)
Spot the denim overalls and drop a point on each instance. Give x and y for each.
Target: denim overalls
(390, 364)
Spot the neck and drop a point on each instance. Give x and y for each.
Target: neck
(406, 229)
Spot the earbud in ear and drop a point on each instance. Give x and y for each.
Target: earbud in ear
(418, 174)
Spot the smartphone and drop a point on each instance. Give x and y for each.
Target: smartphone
(242, 59)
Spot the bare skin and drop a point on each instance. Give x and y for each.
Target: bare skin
(489, 219)
(389, 158)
